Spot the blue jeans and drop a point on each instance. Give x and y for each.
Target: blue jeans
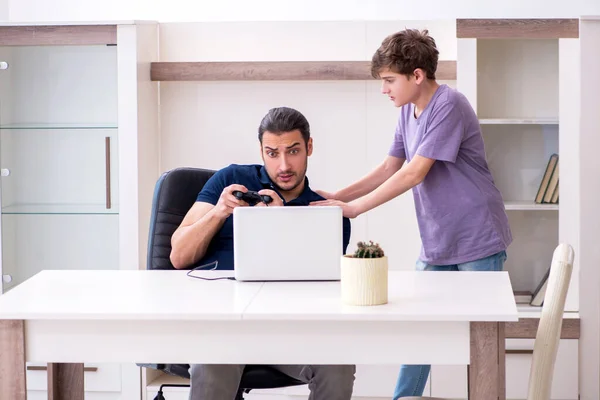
(412, 378)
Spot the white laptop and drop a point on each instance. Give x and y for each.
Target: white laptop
(294, 243)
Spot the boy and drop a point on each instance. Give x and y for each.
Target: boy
(460, 212)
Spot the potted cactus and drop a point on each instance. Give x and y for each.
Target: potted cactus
(364, 276)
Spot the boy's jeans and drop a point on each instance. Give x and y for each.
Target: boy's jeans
(412, 378)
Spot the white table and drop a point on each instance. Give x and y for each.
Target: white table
(67, 318)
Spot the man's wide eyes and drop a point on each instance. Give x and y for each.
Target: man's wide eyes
(274, 154)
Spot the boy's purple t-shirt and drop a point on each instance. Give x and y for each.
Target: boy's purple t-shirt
(459, 210)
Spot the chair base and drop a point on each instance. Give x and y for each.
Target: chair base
(160, 395)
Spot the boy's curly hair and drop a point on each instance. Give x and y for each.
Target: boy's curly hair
(405, 51)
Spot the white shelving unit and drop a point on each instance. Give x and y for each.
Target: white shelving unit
(515, 78)
(583, 86)
(78, 160)
(515, 93)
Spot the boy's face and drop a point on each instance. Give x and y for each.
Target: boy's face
(285, 157)
(401, 89)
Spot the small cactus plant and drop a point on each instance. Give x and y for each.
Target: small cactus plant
(368, 250)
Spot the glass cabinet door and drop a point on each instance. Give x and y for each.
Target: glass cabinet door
(58, 159)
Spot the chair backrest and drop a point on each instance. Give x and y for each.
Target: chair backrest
(548, 333)
(174, 194)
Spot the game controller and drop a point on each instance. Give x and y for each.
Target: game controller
(252, 197)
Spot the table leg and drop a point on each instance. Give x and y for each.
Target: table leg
(65, 381)
(501, 362)
(487, 369)
(12, 360)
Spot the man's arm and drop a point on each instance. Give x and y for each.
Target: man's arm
(191, 239)
(371, 181)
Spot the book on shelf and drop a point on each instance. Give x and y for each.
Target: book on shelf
(537, 298)
(548, 190)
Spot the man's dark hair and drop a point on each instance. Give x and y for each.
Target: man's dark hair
(284, 119)
(405, 51)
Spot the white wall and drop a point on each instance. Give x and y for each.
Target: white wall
(291, 10)
(4, 10)
(352, 123)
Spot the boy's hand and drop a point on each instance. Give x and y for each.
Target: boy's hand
(349, 209)
(326, 195)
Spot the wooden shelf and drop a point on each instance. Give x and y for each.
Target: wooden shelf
(526, 327)
(528, 206)
(517, 28)
(58, 35)
(518, 121)
(276, 71)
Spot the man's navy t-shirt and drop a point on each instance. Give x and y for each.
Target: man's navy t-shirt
(253, 177)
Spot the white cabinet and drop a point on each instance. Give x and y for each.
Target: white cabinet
(58, 155)
(78, 159)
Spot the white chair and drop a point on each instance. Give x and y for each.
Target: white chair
(548, 333)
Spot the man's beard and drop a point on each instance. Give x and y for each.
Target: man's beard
(298, 182)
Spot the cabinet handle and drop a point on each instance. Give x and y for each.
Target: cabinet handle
(36, 368)
(519, 351)
(107, 153)
(3, 65)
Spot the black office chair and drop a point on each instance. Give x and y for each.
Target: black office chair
(174, 195)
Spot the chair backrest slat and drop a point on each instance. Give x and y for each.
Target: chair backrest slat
(548, 333)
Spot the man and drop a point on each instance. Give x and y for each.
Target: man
(205, 236)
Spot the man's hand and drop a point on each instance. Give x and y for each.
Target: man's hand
(349, 209)
(227, 201)
(277, 201)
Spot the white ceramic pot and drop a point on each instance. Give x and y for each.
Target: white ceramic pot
(364, 281)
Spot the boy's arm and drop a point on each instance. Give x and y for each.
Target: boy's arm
(403, 180)
(371, 181)
(441, 142)
(406, 178)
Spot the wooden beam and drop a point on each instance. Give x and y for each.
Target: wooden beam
(58, 35)
(276, 71)
(526, 328)
(517, 28)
